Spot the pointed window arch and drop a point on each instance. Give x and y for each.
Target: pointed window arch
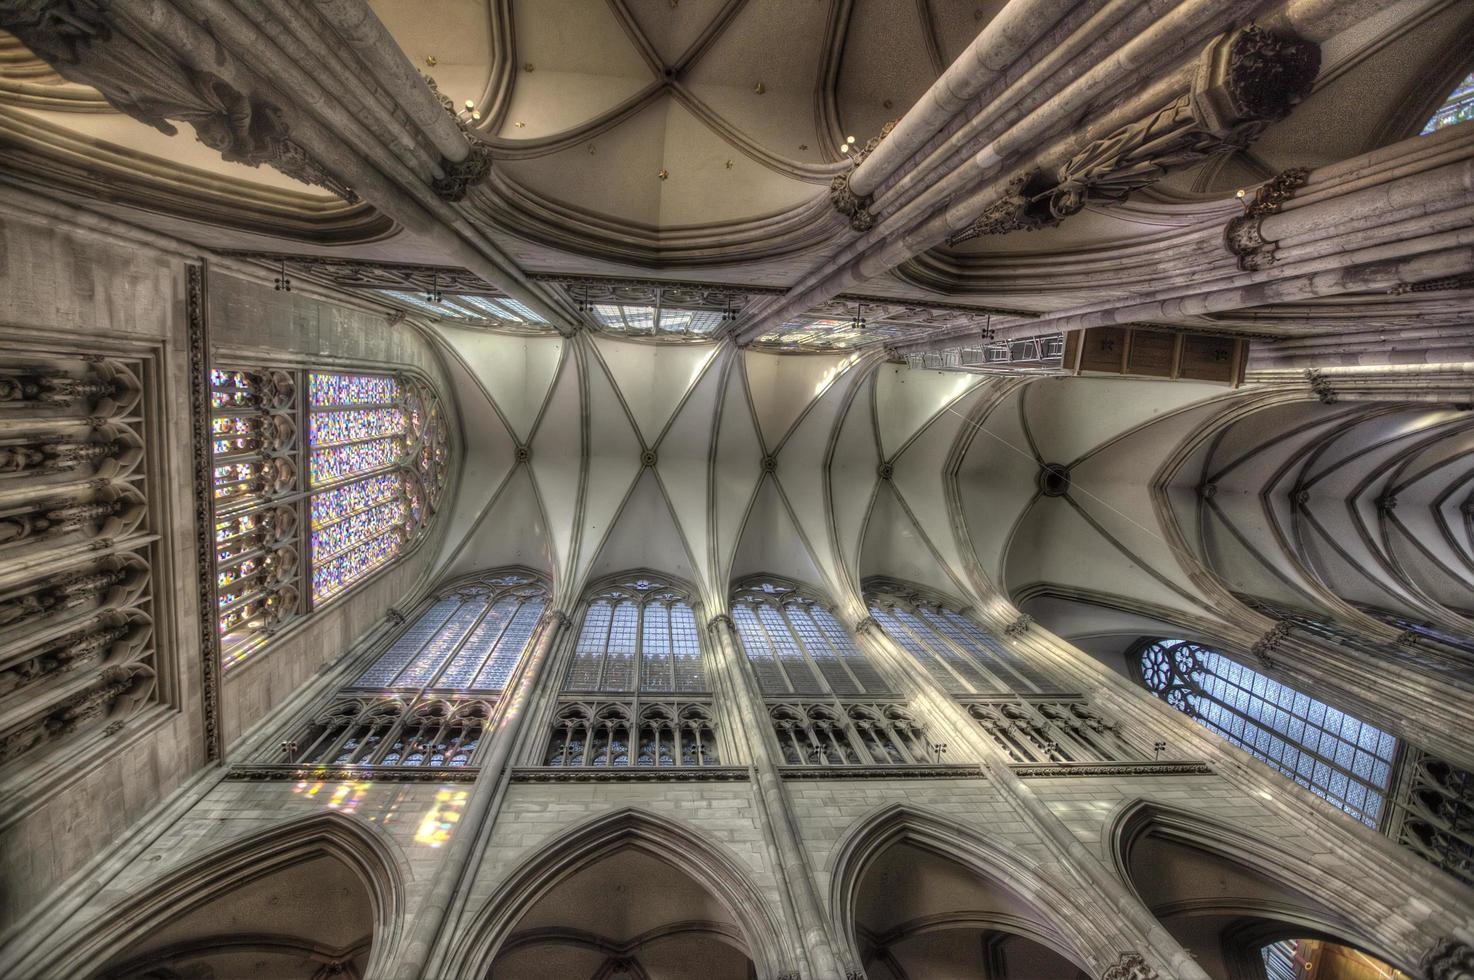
(305, 512)
(959, 653)
(429, 695)
(1338, 757)
(795, 643)
(1457, 108)
(636, 692)
(639, 634)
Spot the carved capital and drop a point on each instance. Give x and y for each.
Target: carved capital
(1321, 386)
(847, 203)
(461, 176)
(1019, 626)
(1270, 642)
(1449, 959)
(721, 621)
(865, 625)
(1243, 235)
(1019, 209)
(1131, 966)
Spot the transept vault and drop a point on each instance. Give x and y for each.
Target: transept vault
(752, 489)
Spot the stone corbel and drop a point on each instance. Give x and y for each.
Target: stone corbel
(847, 202)
(1270, 642)
(1321, 386)
(1449, 960)
(142, 80)
(1243, 235)
(719, 621)
(1244, 80)
(459, 176)
(1131, 966)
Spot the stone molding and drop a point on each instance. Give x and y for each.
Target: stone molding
(1058, 769)
(348, 273)
(629, 774)
(943, 771)
(1242, 235)
(262, 772)
(196, 312)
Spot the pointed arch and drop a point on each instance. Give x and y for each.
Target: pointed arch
(1056, 920)
(373, 857)
(1317, 903)
(583, 846)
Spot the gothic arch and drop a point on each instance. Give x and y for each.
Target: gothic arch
(370, 855)
(1054, 920)
(555, 861)
(1315, 903)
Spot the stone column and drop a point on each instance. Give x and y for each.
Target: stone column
(1125, 919)
(803, 898)
(461, 857)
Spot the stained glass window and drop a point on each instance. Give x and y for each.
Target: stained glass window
(639, 635)
(962, 656)
(1457, 108)
(795, 644)
(359, 488)
(468, 640)
(1338, 757)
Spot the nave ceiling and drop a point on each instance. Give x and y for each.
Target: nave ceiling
(746, 107)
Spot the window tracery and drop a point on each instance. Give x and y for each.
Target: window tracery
(869, 734)
(77, 642)
(348, 498)
(639, 647)
(797, 646)
(1434, 815)
(1051, 729)
(956, 651)
(1336, 756)
(427, 697)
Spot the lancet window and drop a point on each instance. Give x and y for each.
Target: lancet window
(1338, 757)
(636, 691)
(301, 517)
(827, 703)
(797, 646)
(956, 651)
(77, 644)
(428, 696)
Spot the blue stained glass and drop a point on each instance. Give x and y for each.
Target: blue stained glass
(921, 652)
(824, 656)
(1261, 716)
(397, 657)
(655, 662)
(755, 645)
(619, 663)
(478, 645)
(686, 644)
(851, 655)
(583, 673)
(942, 628)
(511, 647)
(351, 389)
(438, 650)
(1457, 108)
(785, 648)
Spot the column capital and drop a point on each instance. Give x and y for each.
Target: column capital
(720, 620)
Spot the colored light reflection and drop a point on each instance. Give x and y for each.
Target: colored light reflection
(346, 797)
(442, 817)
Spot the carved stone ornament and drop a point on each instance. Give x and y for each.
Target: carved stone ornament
(1449, 959)
(1244, 81)
(1321, 386)
(1019, 626)
(1270, 642)
(459, 176)
(846, 201)
(1131, 966)
(1016, 210)
(1243, 236)
(144, 80)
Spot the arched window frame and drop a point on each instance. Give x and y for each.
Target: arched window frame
(298, 522)
(812, 723)
(1288, 730)
(623, 720)
(480, 627)
(1457, 107)
(646, 591)
(797, 620)
(956, 650)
